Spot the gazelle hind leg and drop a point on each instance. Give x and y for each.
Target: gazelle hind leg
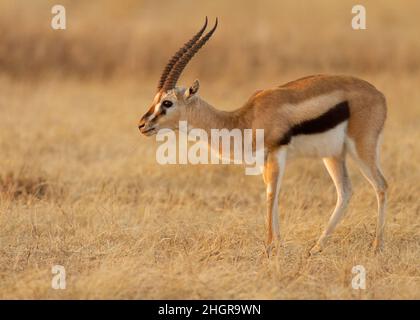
(336, 167)
(366, 157)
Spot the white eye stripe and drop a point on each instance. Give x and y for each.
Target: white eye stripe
(155, 112)
(157, 107)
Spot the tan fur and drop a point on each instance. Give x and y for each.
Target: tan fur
(277, 109)
(270, 176)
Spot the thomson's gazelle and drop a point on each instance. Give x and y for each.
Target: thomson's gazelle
(324, 116)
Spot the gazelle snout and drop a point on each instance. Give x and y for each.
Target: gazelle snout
(146, 127)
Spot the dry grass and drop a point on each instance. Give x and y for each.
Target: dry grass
(126, 227)
(79, 187)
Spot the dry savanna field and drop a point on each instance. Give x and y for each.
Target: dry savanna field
(81, 188)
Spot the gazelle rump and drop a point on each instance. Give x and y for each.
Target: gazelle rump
(324, 116)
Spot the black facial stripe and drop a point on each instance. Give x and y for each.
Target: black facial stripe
(148, 114)
(330, 119)
(161, 112)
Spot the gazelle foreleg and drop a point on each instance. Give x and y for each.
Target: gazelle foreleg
(336, 167)
(273, 173)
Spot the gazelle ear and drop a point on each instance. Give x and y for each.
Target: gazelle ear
(192, 90)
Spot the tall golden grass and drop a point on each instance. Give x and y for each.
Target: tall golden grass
(80, 188)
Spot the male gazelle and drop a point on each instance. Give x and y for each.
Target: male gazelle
(325, 116)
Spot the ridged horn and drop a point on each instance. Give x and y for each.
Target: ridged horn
(178, 55)
(176, 71)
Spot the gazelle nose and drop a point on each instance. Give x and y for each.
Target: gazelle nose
(141, 126)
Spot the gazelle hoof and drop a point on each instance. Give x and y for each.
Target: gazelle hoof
(315, 250)
(272, 248)
(378, 246)
(269, 250)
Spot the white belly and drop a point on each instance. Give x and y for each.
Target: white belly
(326, 144)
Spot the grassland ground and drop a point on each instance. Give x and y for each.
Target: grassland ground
(79, 187)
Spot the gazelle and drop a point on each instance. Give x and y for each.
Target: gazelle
(324, 116)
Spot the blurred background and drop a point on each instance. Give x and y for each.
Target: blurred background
(255, 39)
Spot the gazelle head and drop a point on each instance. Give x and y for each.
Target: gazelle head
(170, 103)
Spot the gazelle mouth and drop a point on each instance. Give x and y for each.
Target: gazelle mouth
(149, 131)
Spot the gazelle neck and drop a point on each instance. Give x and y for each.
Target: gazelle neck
(204, 116)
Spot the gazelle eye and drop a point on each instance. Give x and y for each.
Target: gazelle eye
(167, 103)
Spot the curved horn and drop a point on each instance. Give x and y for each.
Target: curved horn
(178, 55)
(181, 63)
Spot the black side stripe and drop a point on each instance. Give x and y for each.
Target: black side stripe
(330, 119)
